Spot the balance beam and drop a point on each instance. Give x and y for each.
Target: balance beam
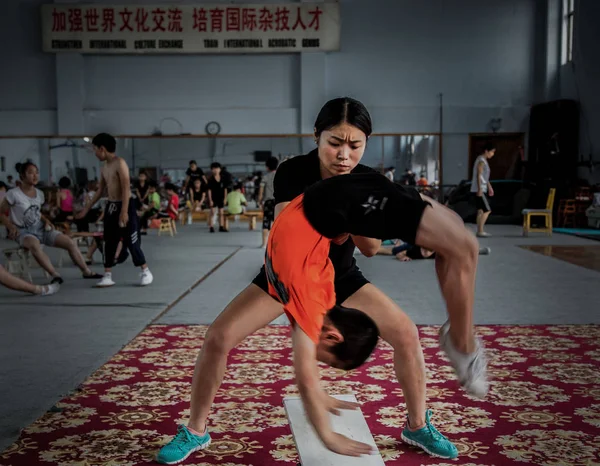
(311, 450)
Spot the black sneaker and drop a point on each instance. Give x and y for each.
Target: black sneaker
(223, 229)
(212, 229)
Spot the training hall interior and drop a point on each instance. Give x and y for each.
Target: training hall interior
(147, 151)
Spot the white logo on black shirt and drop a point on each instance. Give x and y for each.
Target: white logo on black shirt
(373, 204)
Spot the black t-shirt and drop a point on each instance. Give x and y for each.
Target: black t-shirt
(194, 175)
(217, 189)
(292, 178)
(364, 204)
(142, 189)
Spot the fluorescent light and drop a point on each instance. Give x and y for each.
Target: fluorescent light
(86, 139)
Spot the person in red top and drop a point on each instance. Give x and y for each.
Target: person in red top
(173, 207)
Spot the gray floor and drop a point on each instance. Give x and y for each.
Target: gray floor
(48, 346)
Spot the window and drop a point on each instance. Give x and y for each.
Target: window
(568, 24)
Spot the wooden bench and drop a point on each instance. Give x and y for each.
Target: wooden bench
(184, 216)
(251, 216)
(311, 450)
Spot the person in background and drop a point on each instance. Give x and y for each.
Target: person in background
(257, 183)
(14, 283)
(193, 173)
(408, 179)
(152, 209)
(227, 178)
(141, 190)
(173, 206)
(266, 198)
(406, 252)
(30, 229)
(236, 201)
(217, 193)
(94, 215)
(121, 223)
(481, 188)
(197, 195)
(389, 173)
(64, 201)
(422, 181)
(3, 189)
(10, 182)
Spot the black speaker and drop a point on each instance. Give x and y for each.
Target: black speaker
(262, 155)
(554, 140)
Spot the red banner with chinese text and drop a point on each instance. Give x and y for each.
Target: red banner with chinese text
(202, 28)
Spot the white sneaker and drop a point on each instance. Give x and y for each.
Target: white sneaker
(106, 281)
(484, 234)
(50, 289)
(471, 369)
(146, 277)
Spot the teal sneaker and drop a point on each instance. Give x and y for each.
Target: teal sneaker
(429, 439)
(183, 445)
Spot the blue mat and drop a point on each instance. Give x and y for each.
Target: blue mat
(577, 231)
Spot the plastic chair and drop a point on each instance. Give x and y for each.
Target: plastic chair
(545, 213)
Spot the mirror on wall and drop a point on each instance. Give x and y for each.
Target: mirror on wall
(163, 156)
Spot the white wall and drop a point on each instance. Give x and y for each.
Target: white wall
(396, 56)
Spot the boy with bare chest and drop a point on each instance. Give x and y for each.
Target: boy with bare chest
(120, 217)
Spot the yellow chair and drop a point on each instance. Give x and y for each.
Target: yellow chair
(167, 225)
(546, 213)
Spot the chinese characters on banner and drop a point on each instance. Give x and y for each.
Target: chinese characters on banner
(202, 28)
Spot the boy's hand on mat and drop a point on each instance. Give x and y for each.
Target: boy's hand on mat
(345, 446)
(341, 239)
(334, 405)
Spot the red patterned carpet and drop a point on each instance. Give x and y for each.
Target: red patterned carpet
(543, 408)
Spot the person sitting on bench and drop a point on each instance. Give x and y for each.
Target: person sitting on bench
(236, 201)
(30, 229)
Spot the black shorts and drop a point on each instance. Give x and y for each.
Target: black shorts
(218, 203)
(345, 285)
(268, 214)
(482, 203)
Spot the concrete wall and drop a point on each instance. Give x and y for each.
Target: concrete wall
(396, 56)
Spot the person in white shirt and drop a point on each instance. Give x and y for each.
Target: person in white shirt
(28, 227)
(389, 173)
(481, 188)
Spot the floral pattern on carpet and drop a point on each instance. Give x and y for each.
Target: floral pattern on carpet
(543, 407)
